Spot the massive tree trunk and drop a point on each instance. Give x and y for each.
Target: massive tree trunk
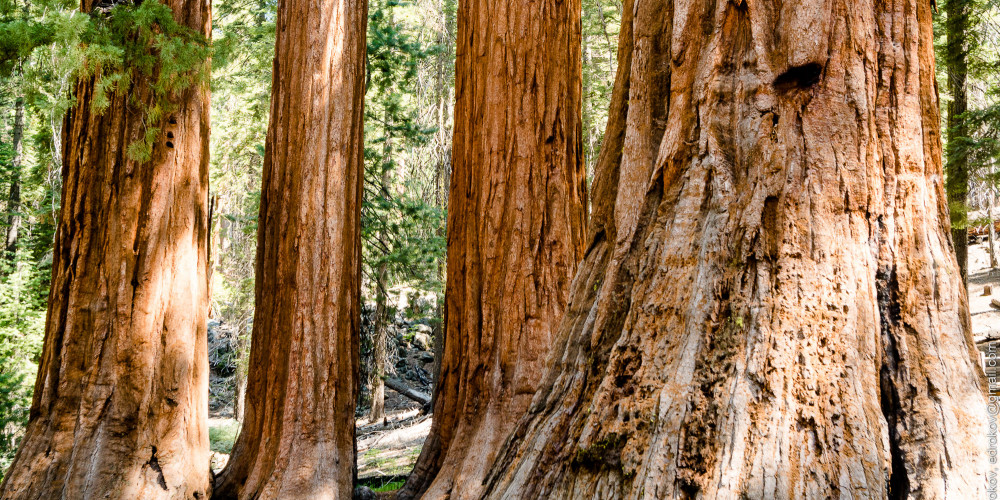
(957, 165)
(515, 229)
(120, 407)
(298, 433)
(770, 306)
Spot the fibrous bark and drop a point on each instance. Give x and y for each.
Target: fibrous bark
(298, 434)
(120, 407)
(770, 306)
(515, 229)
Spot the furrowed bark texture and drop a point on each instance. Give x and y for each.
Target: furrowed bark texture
(120, 407)
(770, 306)
(298, 434)
(515, 229)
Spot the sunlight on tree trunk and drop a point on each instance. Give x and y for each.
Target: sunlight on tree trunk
(297, 439)
(121, 400)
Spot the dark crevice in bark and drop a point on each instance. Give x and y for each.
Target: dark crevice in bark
(715, 366)
(899, 483)
(605, 454)
(769, 228)
(887, 286)
(154, 463)
(799, 77)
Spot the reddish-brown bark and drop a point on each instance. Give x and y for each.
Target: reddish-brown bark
(770, 306)
(516, 218)
(298, 434)
(120, 407)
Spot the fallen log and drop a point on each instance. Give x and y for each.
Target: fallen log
(405, 390)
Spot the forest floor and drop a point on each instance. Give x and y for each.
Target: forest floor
(387, 449)
(985, 317)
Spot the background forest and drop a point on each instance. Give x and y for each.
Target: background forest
(408, 134)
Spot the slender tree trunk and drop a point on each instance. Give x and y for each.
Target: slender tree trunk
(14, 195)
(957, 165)
(121, 400)
(240, 380)
(297, 439)
(381, 320)
(604, 31)
(991, 230)
(442, 169)
(769, 307)
(590, 130)
(377, 382)
(14, 216)
(239, 395)
(515, 229)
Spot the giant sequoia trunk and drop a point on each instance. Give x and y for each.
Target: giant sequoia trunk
(120, 407)
(770, 305)
(515, 229)
(297, 439)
